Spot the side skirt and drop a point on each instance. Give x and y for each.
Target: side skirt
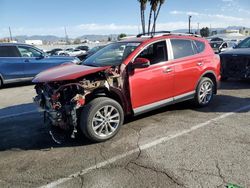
(162, 103)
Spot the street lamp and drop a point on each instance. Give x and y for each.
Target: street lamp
(189, 24)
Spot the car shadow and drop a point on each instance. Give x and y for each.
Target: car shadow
(28, 132)
(20, 84)
(235, 84)
(220, 104)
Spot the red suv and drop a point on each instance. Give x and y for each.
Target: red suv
(128, 77)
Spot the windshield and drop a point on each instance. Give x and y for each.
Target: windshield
(111, 55)
(244, 44)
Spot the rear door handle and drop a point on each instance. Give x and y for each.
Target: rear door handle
(167, 70)
(26, 61)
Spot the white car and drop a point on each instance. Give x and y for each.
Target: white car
(72, 52)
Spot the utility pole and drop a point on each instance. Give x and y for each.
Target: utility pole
(189, 24)
(66, 36)
(210, 30)
(10, 34)
(198, 28)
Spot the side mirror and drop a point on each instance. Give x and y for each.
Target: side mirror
(141, 63)
(41, 56)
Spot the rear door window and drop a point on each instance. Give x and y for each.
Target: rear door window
(9, 51)
(182, 48)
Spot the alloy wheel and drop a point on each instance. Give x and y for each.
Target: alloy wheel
(206, 92)
(105, 121)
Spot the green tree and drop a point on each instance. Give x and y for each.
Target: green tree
(143, 6)
(204, 32)
(122, 35)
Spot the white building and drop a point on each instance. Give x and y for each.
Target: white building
(245, 31)
(34, 42)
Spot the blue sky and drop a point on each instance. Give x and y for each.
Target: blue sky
(43, 17)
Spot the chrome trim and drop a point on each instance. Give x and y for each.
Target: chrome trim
(162, 103)
(18, 80)
(152, 106)
(170, 50)
(186, 95)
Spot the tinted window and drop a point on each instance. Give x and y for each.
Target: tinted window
(244, 44)
(200, 46)
(155, 53)
(29, 52)
(8, 51)
(182, 48)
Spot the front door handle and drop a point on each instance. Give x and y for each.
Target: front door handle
(26, 61)
(167, 70)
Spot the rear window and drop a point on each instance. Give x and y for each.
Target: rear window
(182, 48)
(200, 46)
(8, 51)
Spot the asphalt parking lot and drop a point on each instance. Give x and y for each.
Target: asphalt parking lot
(177, 146)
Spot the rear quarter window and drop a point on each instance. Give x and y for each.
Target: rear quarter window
(8, 51)
(200, 46)
(182, 48)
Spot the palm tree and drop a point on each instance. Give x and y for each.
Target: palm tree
(154, 8)
(160, 2)
(143, 4)
(150, 14)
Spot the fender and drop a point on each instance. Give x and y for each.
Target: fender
(215, 77)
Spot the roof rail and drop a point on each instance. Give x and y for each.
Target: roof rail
(152, 34)
(186, 34)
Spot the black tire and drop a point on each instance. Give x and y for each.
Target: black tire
(1, 83)
(198, 100)
(90, 111)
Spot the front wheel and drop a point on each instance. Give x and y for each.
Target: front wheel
(1, 83)
(101, 119)
(204, 92)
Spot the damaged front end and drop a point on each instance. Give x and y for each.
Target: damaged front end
(62, 101)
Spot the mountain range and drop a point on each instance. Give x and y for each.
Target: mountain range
(52, 38)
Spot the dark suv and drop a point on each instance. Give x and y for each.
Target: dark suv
(129, 77)
(21, 62)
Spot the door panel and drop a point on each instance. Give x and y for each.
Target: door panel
(187, 73)
(11, 68)
(151, 84)
(34, 66)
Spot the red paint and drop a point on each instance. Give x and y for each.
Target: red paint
(148, 85)
(66, 72)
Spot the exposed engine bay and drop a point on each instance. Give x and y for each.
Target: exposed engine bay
(62, 101)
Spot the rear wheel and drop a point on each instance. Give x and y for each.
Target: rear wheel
(204, 92)
(101, 119)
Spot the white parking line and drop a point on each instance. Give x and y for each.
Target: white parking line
(18, 114)
(142, 147)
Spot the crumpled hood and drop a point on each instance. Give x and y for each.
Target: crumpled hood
(66, 72)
